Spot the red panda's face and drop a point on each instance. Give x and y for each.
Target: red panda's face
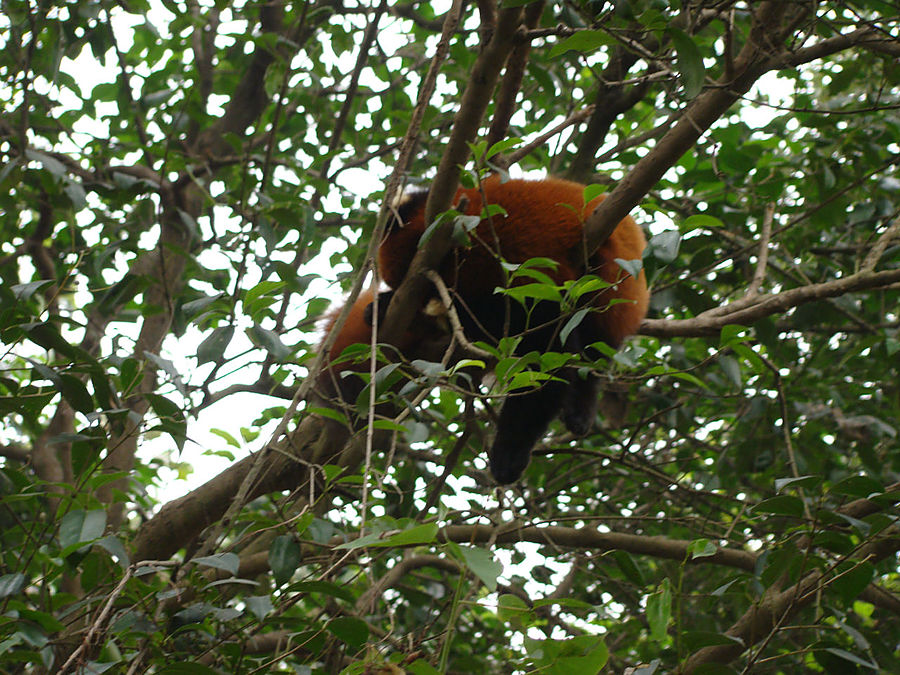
(409, 210)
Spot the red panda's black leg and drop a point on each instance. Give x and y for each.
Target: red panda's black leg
(524, 419)
(579, 408)
(525, 415)
(384, 299)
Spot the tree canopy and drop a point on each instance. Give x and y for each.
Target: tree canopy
(185, 188)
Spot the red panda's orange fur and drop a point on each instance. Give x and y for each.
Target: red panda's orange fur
(356, 330)
(545, 219)
(542, 219)
(426, 338)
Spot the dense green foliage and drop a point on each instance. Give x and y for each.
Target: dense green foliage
(186, 186)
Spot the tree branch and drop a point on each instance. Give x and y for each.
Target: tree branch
(762, 51)
(767, 305)
(411, 293)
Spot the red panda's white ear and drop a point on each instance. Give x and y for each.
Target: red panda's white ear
(434, 308)
(398, 203)
(436, 311)
(400, 200)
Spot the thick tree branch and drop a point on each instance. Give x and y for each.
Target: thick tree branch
(474, 102)
(597, 541)
(512, 79)
(767, 305)
(611, 100)
(15, 452)
(762, 52)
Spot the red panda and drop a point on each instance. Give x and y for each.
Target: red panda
(356, 329)
(540, 219)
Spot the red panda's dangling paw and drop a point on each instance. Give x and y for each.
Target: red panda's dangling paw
(580, 404)
(523, 421)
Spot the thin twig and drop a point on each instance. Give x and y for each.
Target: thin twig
(528, 148)
(453, 317)
(452, 458)
(759, 274)
(878, 249)
(96, 626)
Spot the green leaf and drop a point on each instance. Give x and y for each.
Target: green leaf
(421, 667)
(350, 630)
(11, 584)
(664, 246)
(782, 505)
(76, 193)
(170, 370)
(689, 377)
(75, 393)
(511, 609)
(538, 263)
(626, 564)
(523, 271)
(25, 291)
(690, 62)
(584, 41)
(212, 349)
(573, 323)
(446, 216)
(221, 561)
(586, 284)
(79, 527)
(261, 295)
(481, 562)
(633, 267)
(701, 548)
(53, 165)
(502, 146)
(418, 534)
(581, 654)
(732, 334)
(171, 419)
(527, 379)
(259, 605)
(270, 341)
(592, 191)
(284, 558)
(851, 579)
(659, 612)
(802, 482)
(122, 292)
(113, 545)
(47, 335)
(32, 634)
(534, 291)
(302, 523)
(699, 221)
(858, 486)
(228, 438)
(130, 375)
(197, 306)
(852, 658)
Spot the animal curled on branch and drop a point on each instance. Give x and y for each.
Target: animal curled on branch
(521, 220)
